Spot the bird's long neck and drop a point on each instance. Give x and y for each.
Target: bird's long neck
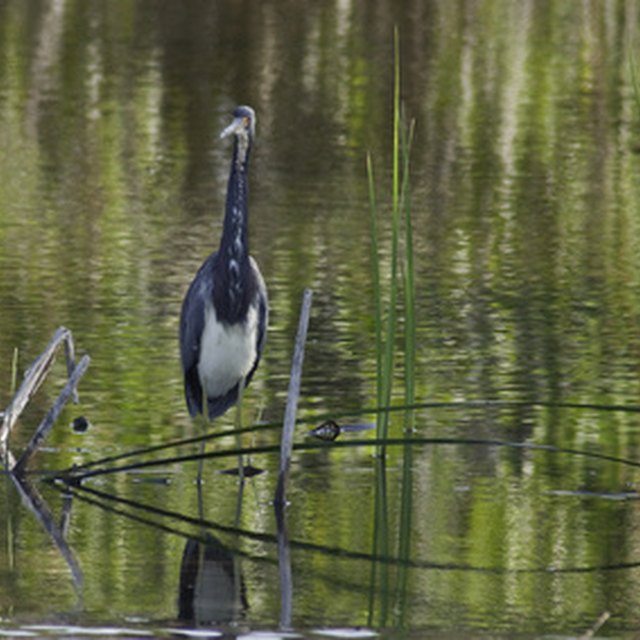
(234, 244)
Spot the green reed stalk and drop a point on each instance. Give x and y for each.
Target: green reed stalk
(375, 276)
(406, 499)
(402, 139)
(634, 80)
(401, 214)
(388, 359)
(409, 279)
(396, 120)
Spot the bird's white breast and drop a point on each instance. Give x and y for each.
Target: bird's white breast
(227, 352)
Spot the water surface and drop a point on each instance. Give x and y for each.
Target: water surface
(525, 200)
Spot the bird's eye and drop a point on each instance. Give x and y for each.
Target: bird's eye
(246, 121)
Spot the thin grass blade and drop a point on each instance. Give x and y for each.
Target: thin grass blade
(375, 275)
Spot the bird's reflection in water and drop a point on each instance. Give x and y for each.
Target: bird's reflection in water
(211, 586)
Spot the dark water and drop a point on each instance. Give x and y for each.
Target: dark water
(525, 201)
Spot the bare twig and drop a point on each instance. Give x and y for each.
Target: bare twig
(70, 357)
(596, 627)
(292, 400)
(33, 378)
(52, 415)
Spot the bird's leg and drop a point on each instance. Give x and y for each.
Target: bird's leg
(200, 501)
(239, 505)
(238, 426)
(203, 431)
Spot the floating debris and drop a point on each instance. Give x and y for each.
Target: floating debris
(330, 430)
(327, 431)
(80, 424)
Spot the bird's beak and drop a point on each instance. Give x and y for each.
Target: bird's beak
(236, 126)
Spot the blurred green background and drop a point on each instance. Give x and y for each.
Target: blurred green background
(525, 200)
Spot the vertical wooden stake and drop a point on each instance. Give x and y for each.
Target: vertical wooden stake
(286, 445)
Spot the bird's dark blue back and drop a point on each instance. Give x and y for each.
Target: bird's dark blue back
(192, 322)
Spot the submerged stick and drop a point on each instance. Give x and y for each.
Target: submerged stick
(286, 445)
(52, 415)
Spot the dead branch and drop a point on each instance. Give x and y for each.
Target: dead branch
(52, 415)
(33, 379)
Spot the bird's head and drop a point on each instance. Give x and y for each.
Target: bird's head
(243, 125)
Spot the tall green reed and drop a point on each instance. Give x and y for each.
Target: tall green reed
(386, 320)
(386, 328)
(406, 497)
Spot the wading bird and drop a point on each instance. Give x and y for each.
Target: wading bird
(223, 323)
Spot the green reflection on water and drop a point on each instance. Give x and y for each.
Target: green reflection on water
(526, 236)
